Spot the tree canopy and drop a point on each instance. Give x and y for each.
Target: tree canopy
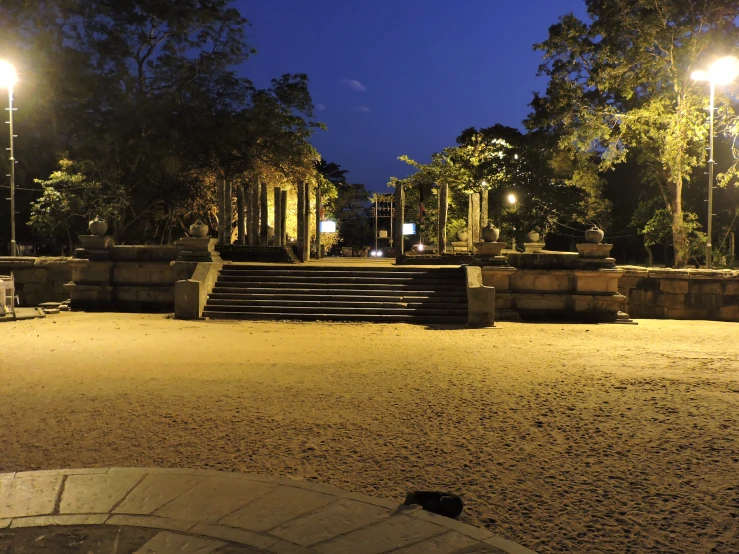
(621, 84)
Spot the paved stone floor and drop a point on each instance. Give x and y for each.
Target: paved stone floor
(164, 511)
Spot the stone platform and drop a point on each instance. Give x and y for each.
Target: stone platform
(166, 511)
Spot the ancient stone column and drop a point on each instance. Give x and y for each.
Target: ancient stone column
(252, 197)
(242, 215)
(475, 197)
(318, 221)
(221, 196)
(484, 209)
(306, 222)
(263, 215)
(443, 213)
(278, 216)
(470, 221)
(399, 218)
(301, 210)
(228, 196)
(283, 218)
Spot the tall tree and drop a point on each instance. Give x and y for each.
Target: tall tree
(620, 83)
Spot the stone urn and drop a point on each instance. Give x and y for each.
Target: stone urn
(533, 236)
(594, 235)
(490, 232)
(462, 235)
(98, 227)
(199, 229)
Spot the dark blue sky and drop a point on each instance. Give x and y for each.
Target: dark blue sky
(392, 77)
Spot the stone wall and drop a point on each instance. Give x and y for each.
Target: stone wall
(680, 294)
(38, 280)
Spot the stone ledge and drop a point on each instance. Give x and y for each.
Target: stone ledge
(393, 527)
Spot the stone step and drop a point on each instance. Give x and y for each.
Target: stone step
(346, 278)
(323, 296)
(375, 318)
(351, 310)
(348, 303)
(333, 288)
(341, 273)
(455, 271)
(356, 284)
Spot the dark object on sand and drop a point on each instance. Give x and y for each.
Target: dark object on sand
(443, 503)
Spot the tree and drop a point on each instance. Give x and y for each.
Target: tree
(621, 83)
(145, 95)
(349, 207)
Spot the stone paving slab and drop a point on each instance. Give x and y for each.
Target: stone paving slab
(163, 511)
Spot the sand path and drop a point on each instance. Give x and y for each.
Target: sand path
(564, 438)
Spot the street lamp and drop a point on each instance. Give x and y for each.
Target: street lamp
(721, 72)
(8, 78)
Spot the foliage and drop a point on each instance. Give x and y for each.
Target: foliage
(145, 93)
(621, 83)
(656, 228)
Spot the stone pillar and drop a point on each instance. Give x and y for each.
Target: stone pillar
(228, 196)
(278, 216)
(470, 224)
(221, 195)
(241, 213)
(318, 221)
(306, 222)
(443, 212)
(475, 216)
(484, 208)
(301, 210)
(263, 215)
(252, 198)
(283, 218)
(399, 217)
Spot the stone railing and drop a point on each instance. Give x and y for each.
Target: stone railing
(38, 280)
(680, 294)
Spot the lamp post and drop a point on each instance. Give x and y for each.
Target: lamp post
(7, 80)
(722, 72)
(511, 198)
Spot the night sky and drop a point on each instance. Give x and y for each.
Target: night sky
(392, 77)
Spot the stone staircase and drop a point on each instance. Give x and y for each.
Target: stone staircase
(269, 254)
(380, 294)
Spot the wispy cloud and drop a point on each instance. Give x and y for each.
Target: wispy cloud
(363, 109)
(354, 85)
(320, 107)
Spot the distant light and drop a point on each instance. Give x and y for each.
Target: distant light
(722, 71)
(8, 77)
(409, 228)
(515, 156)
(484, 183)
(328, 226)
(419, 247)
(511, 198)
(373, 253)
(378, 253)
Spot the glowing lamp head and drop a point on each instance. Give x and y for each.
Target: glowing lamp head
(722, 72)
(511, 198)
(8, 77)
(420, 247)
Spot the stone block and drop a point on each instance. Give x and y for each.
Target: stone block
(671, 300)
(145, 253)
(93, 272)
(131, 273)
(628, 281)
(710, 302)
(498, 278)
(540, 281)
(167, 542)
(30, 275)
(149, 521)
(645, 283)
(280, 506)
(730, 300)
(145, 295)
(706, 287)
(391, 533)
(729, 313)
(214, 499)
(442, 544)
(542, 302)
(95, 493)
(156, 490)
(330, 521)
(599, 303)
(731, 286)
(596, 281)
(647, 311)
(687, 313)
(75, 519)
(29, 496)
(676, 286)
(641, 297)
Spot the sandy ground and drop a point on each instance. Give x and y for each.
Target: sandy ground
(565, 438)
